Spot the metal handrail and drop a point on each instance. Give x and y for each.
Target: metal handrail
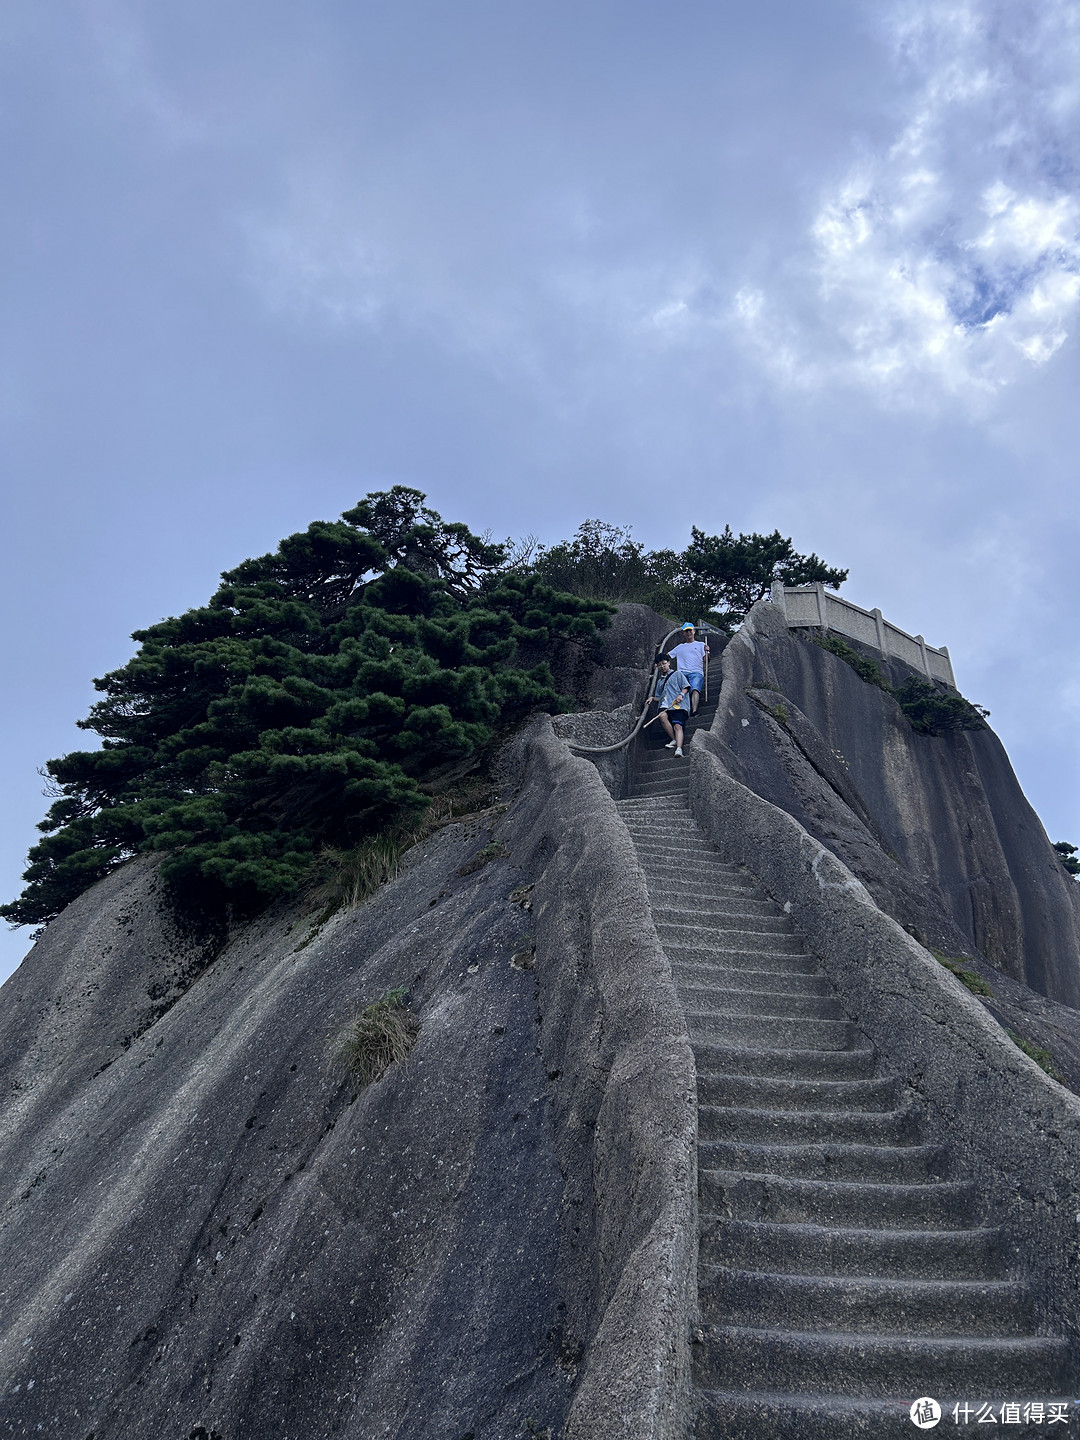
(620, 744)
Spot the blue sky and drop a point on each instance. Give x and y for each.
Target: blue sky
(806, 267)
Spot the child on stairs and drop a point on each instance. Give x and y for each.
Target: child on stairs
(672, 688)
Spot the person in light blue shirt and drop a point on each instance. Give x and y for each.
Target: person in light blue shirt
(672, 688)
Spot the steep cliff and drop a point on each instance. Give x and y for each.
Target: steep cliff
(206, 1229)
(936, 826)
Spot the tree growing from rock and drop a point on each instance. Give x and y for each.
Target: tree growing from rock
(731, 573)
(718, 575)
(307, 705)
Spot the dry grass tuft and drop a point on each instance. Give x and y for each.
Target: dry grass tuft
(355, 875)
(381, 1036)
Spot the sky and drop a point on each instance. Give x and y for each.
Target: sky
(807, 267)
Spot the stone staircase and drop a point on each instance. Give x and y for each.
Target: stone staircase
(842, 1273)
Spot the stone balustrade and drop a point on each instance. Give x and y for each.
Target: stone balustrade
(813, 606)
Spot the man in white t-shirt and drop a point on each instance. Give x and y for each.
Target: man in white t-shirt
(689, 656)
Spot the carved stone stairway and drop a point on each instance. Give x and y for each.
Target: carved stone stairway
(842, 1273)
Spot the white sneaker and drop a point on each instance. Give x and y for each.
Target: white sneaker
(678, 749)
(670, 745)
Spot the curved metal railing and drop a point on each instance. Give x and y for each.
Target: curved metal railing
(620, 744)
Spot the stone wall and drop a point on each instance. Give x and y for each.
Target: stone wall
(627, 1108)
(816, 607)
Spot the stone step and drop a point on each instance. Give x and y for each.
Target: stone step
(734, 1357)
(774, 1127)
(670, 873)
(689, 905)
(760, 954)
(664, 854)
(676, 784)
(664, 844)
(783, 1033)
(651, 817)
(643, 807)
(707, 869)
(734, 937)
(864, 1304)
(709, 864)
(720, 963)
(733, 976)
(665, 790)
(804, 1063)
(826, 1160)
(700, 870)
(773, 1092)
(788, 1200)
(769, 1415)
(727, 1001)
(715, 915)
(828, 1250)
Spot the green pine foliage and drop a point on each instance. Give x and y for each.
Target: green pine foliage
(716, 576)
(304, 707)
(604, 562)
(933, 710)
(930, 709)
(864, 667)
(737, 571)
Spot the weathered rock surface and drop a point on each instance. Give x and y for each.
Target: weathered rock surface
(206, 1231)
(607, 670)
(625, 655)
(936, 827)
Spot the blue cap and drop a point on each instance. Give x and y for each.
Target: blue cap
(689, 625)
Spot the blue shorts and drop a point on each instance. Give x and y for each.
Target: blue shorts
(695, 680)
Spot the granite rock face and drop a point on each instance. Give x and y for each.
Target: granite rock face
(207, 1230)
(936, 827)
(625, 657)
(606, 670)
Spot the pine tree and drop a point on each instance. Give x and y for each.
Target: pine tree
(302, 707)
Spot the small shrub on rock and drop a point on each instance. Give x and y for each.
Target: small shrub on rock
(381, 1036)
(971, 978)
(1043, 1057)
(932, 710)
(865, 668)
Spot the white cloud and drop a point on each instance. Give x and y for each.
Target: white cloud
(125, 56)
(950, 261)
(943, 263)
